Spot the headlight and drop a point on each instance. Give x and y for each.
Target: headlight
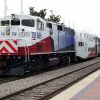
(8, 31)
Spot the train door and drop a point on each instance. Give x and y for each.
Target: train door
(40, 46)
(60, 38)
(79, 45)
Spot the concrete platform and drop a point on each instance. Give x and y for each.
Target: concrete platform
(87, 89)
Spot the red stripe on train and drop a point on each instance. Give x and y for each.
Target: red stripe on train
(10, 46)
(4, 50)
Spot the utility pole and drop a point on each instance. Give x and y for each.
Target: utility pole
(22, 11)
(5, 7)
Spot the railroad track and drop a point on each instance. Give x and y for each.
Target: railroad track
(47, 89)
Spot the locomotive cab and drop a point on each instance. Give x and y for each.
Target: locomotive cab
(22, 27)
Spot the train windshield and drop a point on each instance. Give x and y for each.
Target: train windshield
(15, 22)
(28, 22)
(5, 23)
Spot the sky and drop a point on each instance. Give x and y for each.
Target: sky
(82, 15)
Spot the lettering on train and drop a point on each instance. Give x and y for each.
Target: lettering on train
(36, 35)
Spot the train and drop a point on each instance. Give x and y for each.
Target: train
(30, 43)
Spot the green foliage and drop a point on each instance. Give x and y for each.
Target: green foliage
(42, 13)
(54, 18)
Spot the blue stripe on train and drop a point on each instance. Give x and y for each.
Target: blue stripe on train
(66, 41)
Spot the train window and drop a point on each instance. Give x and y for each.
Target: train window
(87, 35)
(40, 25)
(28, 22)
(71, 31)
(49, 25)
(5, 23)
(80, 43)
(59, 27)
(90, 37)
(84, 34)
(15, 22)
(65, 29)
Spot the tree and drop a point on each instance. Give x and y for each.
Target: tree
(42, 13)
(54, 18)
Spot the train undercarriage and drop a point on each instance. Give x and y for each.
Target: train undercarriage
(20, 65)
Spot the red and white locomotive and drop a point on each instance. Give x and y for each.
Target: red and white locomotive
(30, 43)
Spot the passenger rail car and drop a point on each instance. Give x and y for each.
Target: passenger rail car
(29, 43)
(87, 45)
